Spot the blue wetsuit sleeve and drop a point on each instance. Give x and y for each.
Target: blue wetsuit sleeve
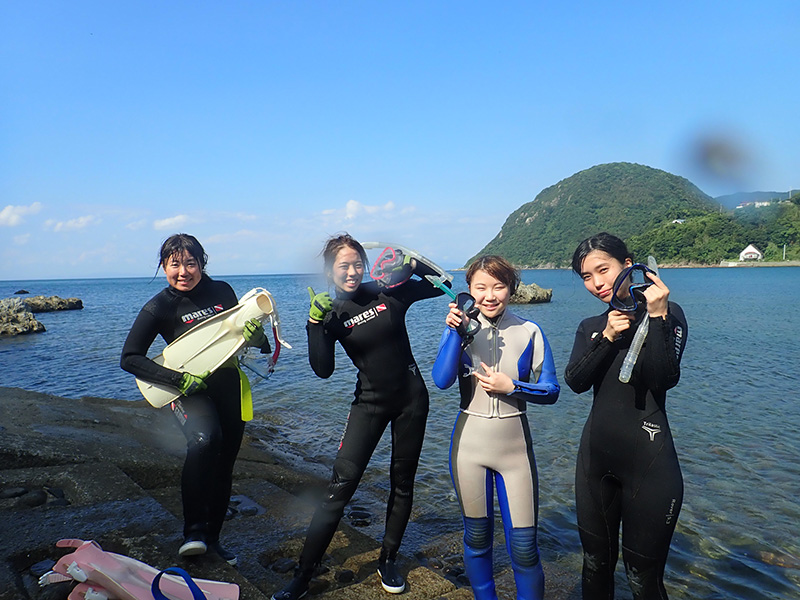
(546, 388)
(660, 366)
(445, 368)
(321, 351)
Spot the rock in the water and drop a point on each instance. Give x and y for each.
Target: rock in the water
(531, 294)
(22, 292)
(39, 304)
(15, 319)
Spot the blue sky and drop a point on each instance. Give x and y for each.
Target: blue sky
(263, 127)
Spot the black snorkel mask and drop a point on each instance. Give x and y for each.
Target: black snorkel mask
(634, 279)
(469, 326)
(391, 268)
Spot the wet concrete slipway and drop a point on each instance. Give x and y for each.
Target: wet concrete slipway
(108, 470)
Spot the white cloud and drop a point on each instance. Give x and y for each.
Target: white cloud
(72, 224)
(11, 215)
(353, 209)
(136, 225)
(21, 240)
(171, 222)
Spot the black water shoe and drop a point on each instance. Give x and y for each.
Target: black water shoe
(297, 588)
(225, 554)
(391, 580)
(193, 545)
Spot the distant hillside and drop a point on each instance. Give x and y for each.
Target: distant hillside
(622, 198)
(731, 201)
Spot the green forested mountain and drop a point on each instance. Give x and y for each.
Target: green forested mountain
(622, 198)
(715, 237)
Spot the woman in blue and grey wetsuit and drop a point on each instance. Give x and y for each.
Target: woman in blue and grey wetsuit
(368, 321)
(627, 472)
(507, 364)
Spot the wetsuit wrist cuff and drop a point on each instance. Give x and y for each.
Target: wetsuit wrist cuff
(517, 388)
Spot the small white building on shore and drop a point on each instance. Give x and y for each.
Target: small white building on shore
(750, 253)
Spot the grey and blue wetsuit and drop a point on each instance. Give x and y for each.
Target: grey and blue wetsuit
(491, 445)
(627, 471)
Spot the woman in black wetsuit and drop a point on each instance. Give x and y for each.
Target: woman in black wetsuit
(368, 320)
(627, 470)
(208, 412)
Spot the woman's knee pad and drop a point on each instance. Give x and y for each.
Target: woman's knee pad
(523, 547)
(477, 532)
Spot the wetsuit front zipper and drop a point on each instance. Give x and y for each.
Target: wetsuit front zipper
(495, 412)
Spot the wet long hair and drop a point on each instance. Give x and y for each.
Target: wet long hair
(336, 243)
(604, 242)
(176, 244)
(496, 266)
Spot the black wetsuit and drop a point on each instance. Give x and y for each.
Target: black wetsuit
(370, 326)
(210, 419)
(627, 468)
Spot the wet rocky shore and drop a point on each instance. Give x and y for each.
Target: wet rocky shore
(109, 470)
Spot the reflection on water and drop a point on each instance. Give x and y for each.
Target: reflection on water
(734, 415)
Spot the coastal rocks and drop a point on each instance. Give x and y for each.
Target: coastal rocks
(40, 304)
(16, 314)
(16, 319)
(531, 294)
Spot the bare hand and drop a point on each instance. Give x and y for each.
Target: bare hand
(657, 296)
(618, 322)
(454, 317)
(493, 382)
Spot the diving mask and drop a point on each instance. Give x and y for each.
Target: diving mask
(635, 281)
(470, 325)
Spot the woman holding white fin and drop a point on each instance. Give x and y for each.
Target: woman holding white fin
(208, 412)
(368, 320)
(627, 471)
(501, 367)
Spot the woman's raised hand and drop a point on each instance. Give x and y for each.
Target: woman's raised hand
(454, 317)
(657, 296)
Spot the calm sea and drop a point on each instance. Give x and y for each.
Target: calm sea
(735, 414)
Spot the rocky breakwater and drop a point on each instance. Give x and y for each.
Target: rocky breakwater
(40, 304)
(531, 294)
(16, 314)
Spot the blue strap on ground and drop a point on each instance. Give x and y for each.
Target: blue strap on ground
(155, 588)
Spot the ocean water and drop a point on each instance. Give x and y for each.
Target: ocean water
(735, 415)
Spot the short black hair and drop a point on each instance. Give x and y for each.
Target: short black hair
(605, 242)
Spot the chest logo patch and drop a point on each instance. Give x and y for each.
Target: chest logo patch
(202, 314)
(365, 316)
(652, 429)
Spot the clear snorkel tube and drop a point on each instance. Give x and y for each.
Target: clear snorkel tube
(629, 305)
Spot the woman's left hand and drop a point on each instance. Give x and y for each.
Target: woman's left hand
(494, 382)
(657, 296)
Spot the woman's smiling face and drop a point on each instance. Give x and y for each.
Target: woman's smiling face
(347, 270)
(183, 271)
(491, 295)
(599, 271)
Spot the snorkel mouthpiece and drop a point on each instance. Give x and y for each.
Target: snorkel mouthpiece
(634, 280)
